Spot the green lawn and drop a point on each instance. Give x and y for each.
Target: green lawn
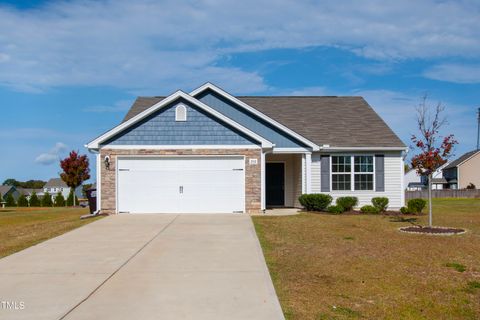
(360, 267)
(24, 227)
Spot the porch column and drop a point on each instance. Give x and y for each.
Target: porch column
(99, 181)
(262, 181)
(308, 172)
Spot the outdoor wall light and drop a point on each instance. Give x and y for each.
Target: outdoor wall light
(107, 162)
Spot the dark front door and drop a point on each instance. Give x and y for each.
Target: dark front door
(275, 184)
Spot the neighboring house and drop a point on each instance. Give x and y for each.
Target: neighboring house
(6, 190)
(28, 192)
(463, 171)
(211, 152)
(56, 185)
(412, 181)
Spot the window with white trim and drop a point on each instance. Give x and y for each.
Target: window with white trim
(363, 167)
(361, 173)
(181, 113)
(341, 173)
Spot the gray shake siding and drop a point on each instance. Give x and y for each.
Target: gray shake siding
(248, 120)
(161, 128)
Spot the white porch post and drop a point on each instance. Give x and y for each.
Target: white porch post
(304, 174)
(308, 172)
(262, 179)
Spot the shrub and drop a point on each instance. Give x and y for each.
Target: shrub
(347, 202)
(471, 186)
(34, 201)
(404, 210)
(315, 201)
(72, 199)
(22, 201)
(369, 209)
(10, 201)
(381, 203)
(59, 200)
(416, 205)
(335, 209)
(47, 200)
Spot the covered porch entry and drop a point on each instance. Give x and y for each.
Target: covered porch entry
(285, 179)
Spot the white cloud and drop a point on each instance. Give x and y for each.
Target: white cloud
(149, 46)
(53, 155)
(459, 73)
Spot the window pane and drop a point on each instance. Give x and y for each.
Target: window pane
(363, 181)
(363, 164)
(341, 164)
(341, 182)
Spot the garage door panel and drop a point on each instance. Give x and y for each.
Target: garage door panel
(181, 185)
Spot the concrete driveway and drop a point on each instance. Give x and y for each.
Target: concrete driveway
(143, 267)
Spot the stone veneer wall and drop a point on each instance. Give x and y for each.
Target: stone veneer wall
(252, 173)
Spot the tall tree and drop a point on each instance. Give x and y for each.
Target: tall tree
(75, 170)
(434, 150)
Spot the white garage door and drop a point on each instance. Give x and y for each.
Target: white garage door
(181, 185)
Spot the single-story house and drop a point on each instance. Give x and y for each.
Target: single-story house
(463, 171)
(208, 151)
(7, 190)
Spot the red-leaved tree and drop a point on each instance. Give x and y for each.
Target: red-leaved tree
(434, 149)
(76, 170)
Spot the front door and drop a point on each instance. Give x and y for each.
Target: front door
(275, 184)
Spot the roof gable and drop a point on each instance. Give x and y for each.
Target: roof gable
(161, 128)
(96, 143)
(464, 157)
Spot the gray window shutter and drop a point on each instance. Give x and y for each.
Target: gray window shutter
(379, 172)
(325, 173)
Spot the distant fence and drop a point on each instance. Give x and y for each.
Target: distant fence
(463, 193)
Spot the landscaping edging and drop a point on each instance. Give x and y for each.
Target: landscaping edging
(433, 231)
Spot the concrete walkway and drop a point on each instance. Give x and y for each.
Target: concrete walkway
(143, 267)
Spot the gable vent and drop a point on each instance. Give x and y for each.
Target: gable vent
(181, 113)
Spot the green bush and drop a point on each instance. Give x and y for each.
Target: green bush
(22, 201)
(416, 205)
(47, 200)
(381, 203)
(369, 209)
(72, 199)
(315, 201)
(10, 201)
(34, 201)
(347, 203)
(335, 209)
(404, 210)
(59, 200)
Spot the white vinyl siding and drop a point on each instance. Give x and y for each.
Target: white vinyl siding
(393, 181)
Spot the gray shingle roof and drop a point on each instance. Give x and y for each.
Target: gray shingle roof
(337, 121)
(460, 159)
(56, 182)
(4, 189)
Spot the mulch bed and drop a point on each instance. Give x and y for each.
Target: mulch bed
(441, 231)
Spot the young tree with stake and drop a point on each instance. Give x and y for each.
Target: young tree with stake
(434, 150)
(75, 170)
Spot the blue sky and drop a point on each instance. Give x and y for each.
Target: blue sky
(69, 70)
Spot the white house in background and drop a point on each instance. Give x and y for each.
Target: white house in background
(56, 185)
(412, 181)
